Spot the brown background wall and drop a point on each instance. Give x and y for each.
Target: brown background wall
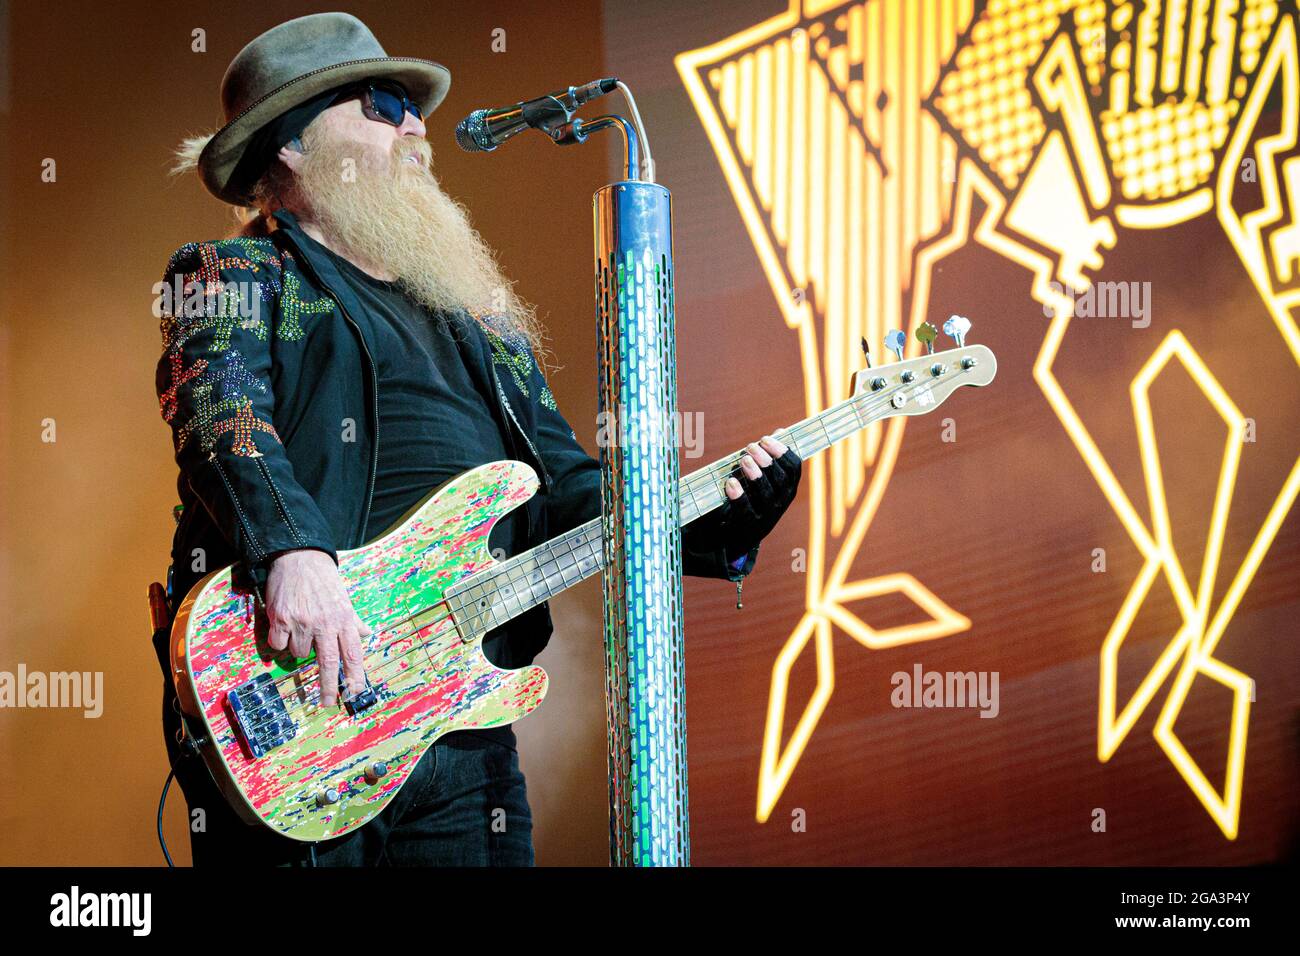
(85, 520)
(107, 91)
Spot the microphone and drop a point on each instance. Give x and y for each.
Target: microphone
(484, 130)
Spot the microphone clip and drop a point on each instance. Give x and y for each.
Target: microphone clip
(546, 113)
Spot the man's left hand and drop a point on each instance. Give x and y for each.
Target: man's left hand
(767, 485)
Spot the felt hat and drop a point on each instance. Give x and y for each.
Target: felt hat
(290, 64)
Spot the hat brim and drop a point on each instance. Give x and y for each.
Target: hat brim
(427, 83)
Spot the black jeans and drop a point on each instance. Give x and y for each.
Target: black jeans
(465, 804)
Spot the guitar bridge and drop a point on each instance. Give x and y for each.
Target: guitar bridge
(260, 717)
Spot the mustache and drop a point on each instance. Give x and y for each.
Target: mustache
(369, 160)
(408, 146)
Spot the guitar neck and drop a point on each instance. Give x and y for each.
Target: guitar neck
(702, 490)
(495, 596)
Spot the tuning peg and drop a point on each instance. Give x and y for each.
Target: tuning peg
(956, 328)
(894, 341)
(866, 351)
(926, 334)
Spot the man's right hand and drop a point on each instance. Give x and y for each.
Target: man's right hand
(306, 605)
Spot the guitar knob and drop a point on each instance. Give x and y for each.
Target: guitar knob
(956, 328)
(375, 771)
(894, 341)
(327, 797)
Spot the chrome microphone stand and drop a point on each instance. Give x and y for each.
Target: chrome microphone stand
(637, 354)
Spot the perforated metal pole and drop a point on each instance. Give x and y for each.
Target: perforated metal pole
(645, 665)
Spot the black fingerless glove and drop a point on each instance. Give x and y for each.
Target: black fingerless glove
(739, 526)
(748, 520)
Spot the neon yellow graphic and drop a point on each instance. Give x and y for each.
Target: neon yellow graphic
(1162, 155)
(808, 114)
(855, 138)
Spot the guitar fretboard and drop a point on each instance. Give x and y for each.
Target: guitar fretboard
(492, 597)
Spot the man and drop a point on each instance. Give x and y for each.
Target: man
(354, 348)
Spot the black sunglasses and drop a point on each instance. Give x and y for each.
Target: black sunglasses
(383, 101)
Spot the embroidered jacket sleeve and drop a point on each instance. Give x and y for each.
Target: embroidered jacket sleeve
(575, 475)
(218, 313)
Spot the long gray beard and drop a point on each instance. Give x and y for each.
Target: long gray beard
(399, 219)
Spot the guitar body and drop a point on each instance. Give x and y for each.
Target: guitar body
(314, 773)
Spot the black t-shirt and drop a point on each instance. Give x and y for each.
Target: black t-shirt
(433, 422)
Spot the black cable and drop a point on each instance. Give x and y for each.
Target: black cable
(162, 802)
(189, 747)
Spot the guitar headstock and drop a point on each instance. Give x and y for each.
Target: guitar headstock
(917, 385)
(912, 386)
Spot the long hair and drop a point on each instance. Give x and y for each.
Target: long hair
(253, 220)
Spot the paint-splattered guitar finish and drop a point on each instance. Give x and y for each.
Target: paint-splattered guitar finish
(430, 591)
(313, 773)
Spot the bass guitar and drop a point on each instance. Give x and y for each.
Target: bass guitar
(430, 590)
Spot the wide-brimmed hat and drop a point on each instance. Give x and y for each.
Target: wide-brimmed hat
(292, 63)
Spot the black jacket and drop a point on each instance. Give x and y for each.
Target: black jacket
(272, 395)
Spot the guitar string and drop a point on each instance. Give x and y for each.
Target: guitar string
(832, 419)
(705, 478)
(836, 418)
(300, 679)
(471, 624)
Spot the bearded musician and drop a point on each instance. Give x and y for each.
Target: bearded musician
(353, 347)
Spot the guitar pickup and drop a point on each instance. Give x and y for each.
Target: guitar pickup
(361, 701)
(260, 718)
